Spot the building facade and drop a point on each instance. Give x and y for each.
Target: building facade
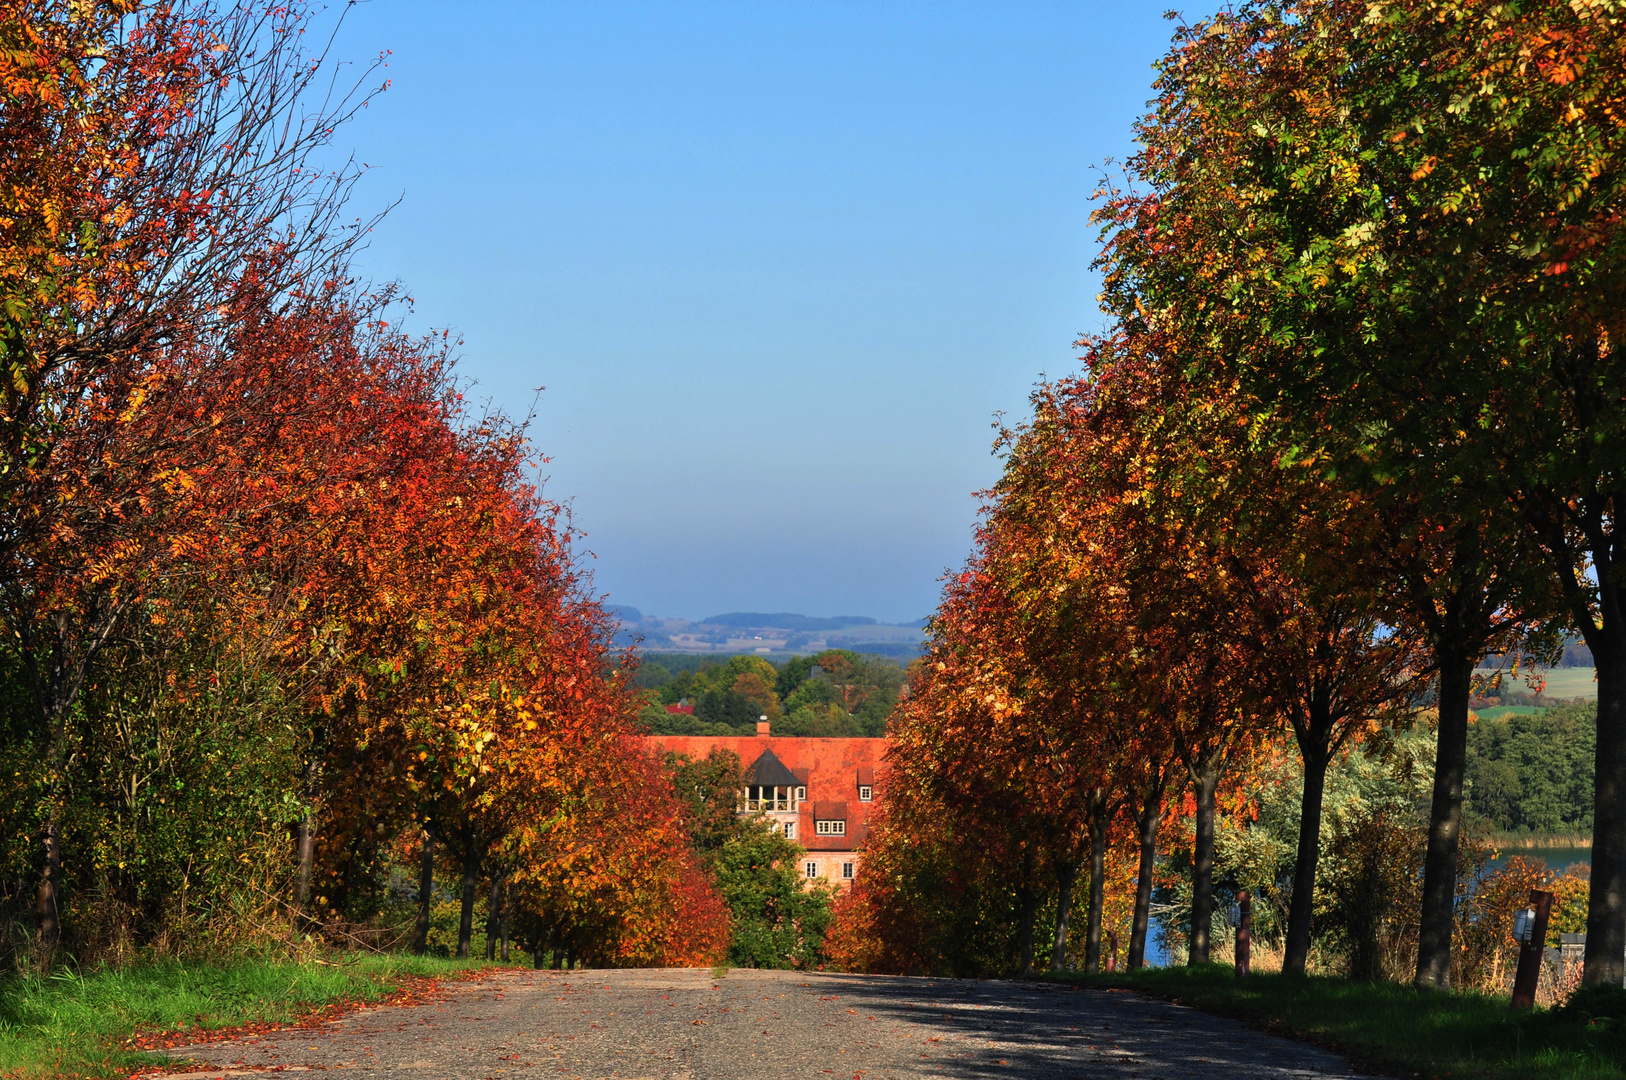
(818, 792)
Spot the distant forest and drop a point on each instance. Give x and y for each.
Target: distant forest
(1531, 772)
(835, 693)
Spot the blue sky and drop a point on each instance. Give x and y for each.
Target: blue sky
(778, 265)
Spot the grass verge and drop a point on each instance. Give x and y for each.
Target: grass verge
(1401, 1031)
(97, 1024)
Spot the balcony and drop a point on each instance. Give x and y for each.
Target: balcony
(758, 799)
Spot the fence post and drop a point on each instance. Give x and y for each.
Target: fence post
(1244, 932)
(1532, 948)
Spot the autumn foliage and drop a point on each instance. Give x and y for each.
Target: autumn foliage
(287, 621)
(1353, 426)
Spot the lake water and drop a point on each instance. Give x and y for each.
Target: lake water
(1156, 954)
(1557, 858)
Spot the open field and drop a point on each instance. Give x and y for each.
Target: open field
(1572, 683)
(1497, 712)
(1561, 682)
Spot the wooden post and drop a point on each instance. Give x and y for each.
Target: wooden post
(1531, 952)
(1244, 933)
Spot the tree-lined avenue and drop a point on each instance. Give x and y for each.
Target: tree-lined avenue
(678, 1024)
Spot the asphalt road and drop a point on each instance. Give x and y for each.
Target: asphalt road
(772, 1025)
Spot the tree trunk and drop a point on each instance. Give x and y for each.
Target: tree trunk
(47, 901)
(1065, 873)
(1301, 905)
(48, 898)
(1098, 887)
(471, 879)
(493, 918)
(1606, 911)
(503, 907)
(1027, 910)
(426, 893)
(56, 673)
(1205, 781)
(306, 847)
(1150, 817)
(1456, 666)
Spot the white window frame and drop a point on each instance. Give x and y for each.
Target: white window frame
(836, 827)
(865, 793)
(790, 830)
(801, 794)
(846, 871)
(811, 869)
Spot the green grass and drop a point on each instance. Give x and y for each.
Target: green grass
(1497, 712)
(1399, 1030)
(1571, 683)
(1562, 683)
(78, 1024)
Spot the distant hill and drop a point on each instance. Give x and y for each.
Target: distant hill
(779, 633)
(784, 620)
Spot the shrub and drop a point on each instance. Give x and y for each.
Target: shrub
(1375, 890)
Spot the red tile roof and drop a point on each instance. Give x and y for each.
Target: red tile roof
(831, 769)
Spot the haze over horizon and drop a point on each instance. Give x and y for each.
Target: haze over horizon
(761, 618)
(778, 268)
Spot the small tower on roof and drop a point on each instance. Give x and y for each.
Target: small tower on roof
(770, 785)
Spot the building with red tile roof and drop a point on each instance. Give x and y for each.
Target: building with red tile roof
(819, 792)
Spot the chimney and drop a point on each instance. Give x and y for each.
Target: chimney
(762, 727)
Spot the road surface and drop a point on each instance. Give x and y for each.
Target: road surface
(772, 1025)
